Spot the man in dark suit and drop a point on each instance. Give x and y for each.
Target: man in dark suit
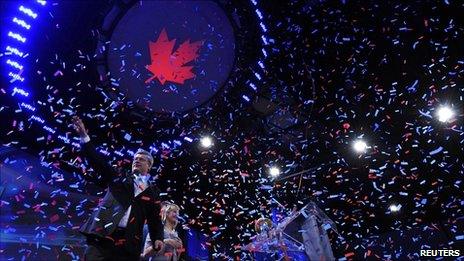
(114, 231)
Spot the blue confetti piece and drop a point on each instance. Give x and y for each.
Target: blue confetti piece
(438, 150)
(413, 87)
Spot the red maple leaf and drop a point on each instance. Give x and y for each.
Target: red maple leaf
(168, 66)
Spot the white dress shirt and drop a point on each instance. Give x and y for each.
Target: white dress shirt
(140, 184)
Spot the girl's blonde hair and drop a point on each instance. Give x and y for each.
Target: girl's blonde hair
(166, 208)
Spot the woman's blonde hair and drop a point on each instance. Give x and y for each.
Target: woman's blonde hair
(166, 208)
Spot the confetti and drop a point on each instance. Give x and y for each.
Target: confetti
(330, 72)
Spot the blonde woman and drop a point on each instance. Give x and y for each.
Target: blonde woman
(172, 242)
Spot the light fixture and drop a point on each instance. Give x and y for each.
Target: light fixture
(360, 146)
(395, 208)
(274, 172)
(445, 114)
(206, 142)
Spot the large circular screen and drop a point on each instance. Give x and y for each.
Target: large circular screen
(171, 56)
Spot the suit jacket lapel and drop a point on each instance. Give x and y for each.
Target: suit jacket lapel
(152, 187)
(129, 184)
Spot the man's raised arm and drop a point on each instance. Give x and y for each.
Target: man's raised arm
(96, 161)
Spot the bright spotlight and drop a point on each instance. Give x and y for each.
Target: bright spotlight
(395, 208)
(206, 142)
(445, 114)
(274, 172)
(360, 146)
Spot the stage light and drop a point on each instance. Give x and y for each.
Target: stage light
(14, 64)
(360, 146)
(36, 118)
(28, 11)
(264, 40)
(17, 37)
(22, 23)
(253, 86)
(395, 208)
(206, 142)
(15, 77)
(42, 2)
(28, 106)
(445, 114)
(263, 27)
(274, 172)
(264, 52)
(246, 98)
(14, 51)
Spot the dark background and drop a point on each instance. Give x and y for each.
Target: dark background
(335, 70)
